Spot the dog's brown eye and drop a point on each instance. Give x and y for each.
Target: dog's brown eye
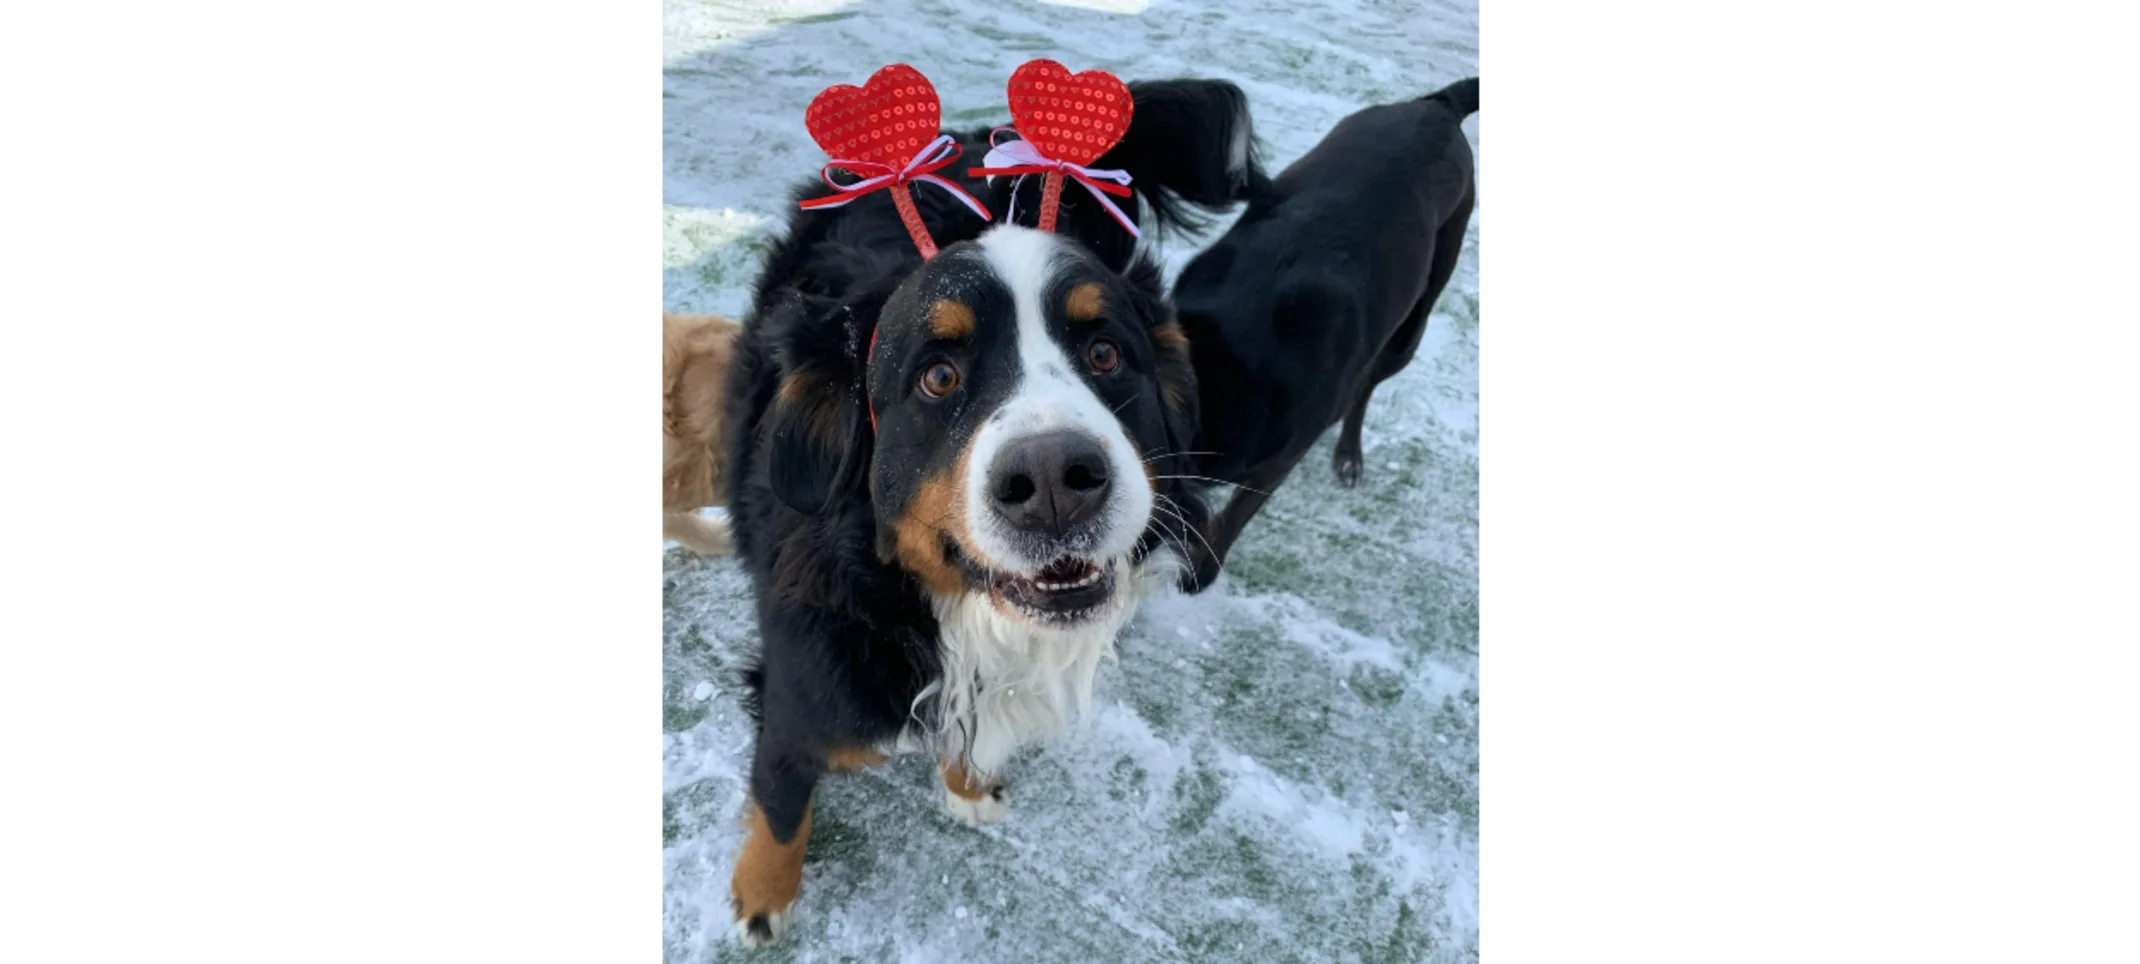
(1104, 356)
(940, 379)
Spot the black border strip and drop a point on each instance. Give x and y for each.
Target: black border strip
(1813, 95)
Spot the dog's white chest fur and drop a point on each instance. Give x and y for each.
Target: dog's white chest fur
(1008, 682)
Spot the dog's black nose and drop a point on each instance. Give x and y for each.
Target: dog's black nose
(1048, 484)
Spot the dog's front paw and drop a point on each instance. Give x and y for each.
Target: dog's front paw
(768, 875)
(989, 807)
(760, 928)
(1346, 465)
(1202, 570)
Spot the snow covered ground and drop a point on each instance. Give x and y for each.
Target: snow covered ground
(1284, 768)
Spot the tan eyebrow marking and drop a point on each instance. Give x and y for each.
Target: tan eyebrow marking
(1083, 303)
(950, 320)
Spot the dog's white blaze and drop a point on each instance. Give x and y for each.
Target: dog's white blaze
(1007, 680)
(1050, 396)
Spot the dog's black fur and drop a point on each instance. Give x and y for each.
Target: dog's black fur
(849, 637)
(1319, 292)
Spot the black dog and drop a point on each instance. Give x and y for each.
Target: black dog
(953, 481)
(1320, 292)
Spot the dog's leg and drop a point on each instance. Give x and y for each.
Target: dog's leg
(1402, 345)
(769, 869)
(1346, 461)
(853, 758)
(707, 537)
(1247, 500)
(1395, 354)
(1448, 246)
(971, 800)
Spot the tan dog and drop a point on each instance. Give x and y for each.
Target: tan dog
(695, 352)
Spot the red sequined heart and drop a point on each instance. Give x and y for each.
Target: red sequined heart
(1069, 118)
(886, 120)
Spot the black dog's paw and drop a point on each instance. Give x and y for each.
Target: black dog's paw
(1347, 466)
(1203, 570)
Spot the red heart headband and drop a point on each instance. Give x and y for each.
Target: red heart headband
(1064, 121)
(885, 133)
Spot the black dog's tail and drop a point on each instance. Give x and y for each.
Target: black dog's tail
(1192, 149)
(1462, 96)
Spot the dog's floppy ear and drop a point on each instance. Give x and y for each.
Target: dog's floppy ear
(819, 445)
(1170, 348)
(818, 432)
(1177, 384)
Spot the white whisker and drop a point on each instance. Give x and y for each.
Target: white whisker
(1206, 478)
(1178, 513)
(1178, 517)
(1168, 455)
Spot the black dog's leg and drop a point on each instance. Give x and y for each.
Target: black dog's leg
(1396, 353)
(1247, 500)
(1448, 246)
(1403, 343)
(769, 869)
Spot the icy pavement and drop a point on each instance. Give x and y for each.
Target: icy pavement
(1284, 768)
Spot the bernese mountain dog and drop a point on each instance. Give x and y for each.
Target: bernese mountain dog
(1319, 292)
(953, 480)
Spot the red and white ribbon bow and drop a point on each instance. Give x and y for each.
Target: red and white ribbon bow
(933, 156)
(1021, 157)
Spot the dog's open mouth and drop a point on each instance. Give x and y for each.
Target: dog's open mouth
(1063, 593)
(1068, 590)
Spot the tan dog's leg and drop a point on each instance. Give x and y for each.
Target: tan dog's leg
(696, 351)
(973, 801)
(707, 537)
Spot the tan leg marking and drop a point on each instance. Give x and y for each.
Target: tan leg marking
(971, 800)
(848, 759)
(768, 875)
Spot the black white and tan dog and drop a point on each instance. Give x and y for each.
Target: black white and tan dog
(1319, 292)
(954, 479)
